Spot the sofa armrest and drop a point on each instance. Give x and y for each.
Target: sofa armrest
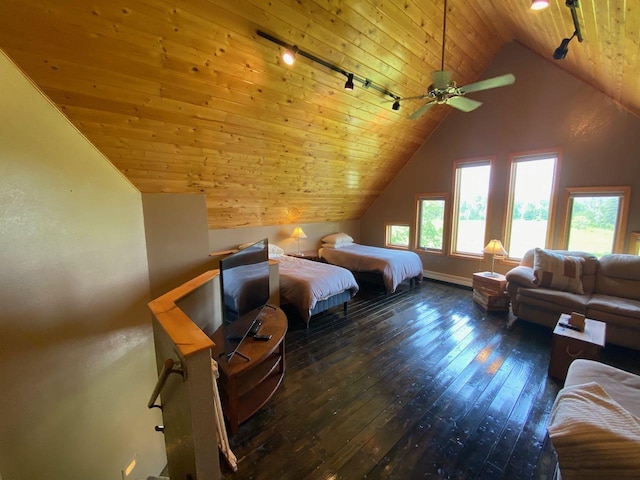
(521, 275)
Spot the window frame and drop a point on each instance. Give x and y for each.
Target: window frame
(624, 192)
(445, 222)
(455, 204)
(514, 159)
(387, 231)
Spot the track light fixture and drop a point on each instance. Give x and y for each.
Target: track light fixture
(289, 55)
(561, 52)
(349, 83)
(293, 50)
(539, 4)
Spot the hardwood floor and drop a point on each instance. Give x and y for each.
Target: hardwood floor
(418, 384)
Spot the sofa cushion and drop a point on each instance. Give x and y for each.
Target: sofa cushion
(619, 275)
(552, 270)
(614, 310)
(555, 300)
(521, 275)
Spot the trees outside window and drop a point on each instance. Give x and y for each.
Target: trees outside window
(431, 214)
(471, 199)
(397, 235)
(530, 203)
(596, 219)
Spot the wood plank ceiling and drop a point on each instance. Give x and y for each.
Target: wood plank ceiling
(184, 96)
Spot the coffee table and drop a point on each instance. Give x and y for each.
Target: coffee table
(567, 345)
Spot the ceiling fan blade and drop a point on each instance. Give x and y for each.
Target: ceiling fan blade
(463, 103)
(441, 78)
(494, 82)
(421, 111)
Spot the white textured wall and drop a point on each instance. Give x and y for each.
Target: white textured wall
(76, 349)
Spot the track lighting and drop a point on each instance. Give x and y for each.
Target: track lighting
(292, 50)
(349, 83)
(396, 105)
(539, 4)
(289, 55)
(562, 50)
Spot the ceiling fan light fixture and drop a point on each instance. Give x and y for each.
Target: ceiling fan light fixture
(349, 83)
(289, 55)
(539, 4)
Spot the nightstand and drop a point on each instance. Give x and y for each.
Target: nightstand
(490, 291)
(306, 254)
(567, 345)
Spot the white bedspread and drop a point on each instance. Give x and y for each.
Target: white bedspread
(394, 265)
(304, 282)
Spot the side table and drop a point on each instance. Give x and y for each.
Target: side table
(567, 345)
(306, 254)
(490, 291)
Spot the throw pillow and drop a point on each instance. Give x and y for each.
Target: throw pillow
(560, 272)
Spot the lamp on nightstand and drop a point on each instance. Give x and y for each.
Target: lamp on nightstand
(493, 248)
(298, 234)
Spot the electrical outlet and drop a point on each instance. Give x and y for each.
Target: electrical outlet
(128, 470)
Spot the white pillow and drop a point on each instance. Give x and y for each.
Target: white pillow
(338, 238)
(275, 249)
(336, 245)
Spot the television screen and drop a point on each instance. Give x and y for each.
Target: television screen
(244, 282)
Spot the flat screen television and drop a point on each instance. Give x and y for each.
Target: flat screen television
(244, 286)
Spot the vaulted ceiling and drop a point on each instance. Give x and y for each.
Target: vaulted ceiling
(184, 96)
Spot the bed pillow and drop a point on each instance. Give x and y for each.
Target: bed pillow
(337, 238)
(336, 245)
(275, 249)
(559, 272)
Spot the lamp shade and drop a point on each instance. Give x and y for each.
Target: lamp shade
(494, 247)
(298, 233)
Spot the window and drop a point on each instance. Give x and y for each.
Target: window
(596, 219)
(431, 211)
(634, 246)
(530, 203)
(397, 235)
(471, 198)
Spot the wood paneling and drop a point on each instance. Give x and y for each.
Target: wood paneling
(185, 97)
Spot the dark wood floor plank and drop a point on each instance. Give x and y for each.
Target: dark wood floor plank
(421, 383)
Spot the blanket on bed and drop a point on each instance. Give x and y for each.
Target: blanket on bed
(303, 282)
(394, 265)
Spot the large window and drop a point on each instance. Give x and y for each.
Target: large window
(596, 219)
(397, 235)
(530, 203)
(431, 214)
(471, 199)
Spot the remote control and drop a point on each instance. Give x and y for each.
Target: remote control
(262, 338)
(256, 327)
(572, 327)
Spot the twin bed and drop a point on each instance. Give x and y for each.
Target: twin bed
(314, 287)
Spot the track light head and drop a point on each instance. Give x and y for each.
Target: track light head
(562, 50)
(289, 55)
(539, 4)
(349, 83)
(396, 105)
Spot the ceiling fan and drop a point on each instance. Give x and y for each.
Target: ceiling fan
(443, 90)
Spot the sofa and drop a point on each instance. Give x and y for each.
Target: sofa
(547, 283)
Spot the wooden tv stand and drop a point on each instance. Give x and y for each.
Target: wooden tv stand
(245, 386)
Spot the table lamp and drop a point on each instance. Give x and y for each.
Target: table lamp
(493, 248)
(298, 234)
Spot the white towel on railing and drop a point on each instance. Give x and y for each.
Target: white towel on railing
(593, 435)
